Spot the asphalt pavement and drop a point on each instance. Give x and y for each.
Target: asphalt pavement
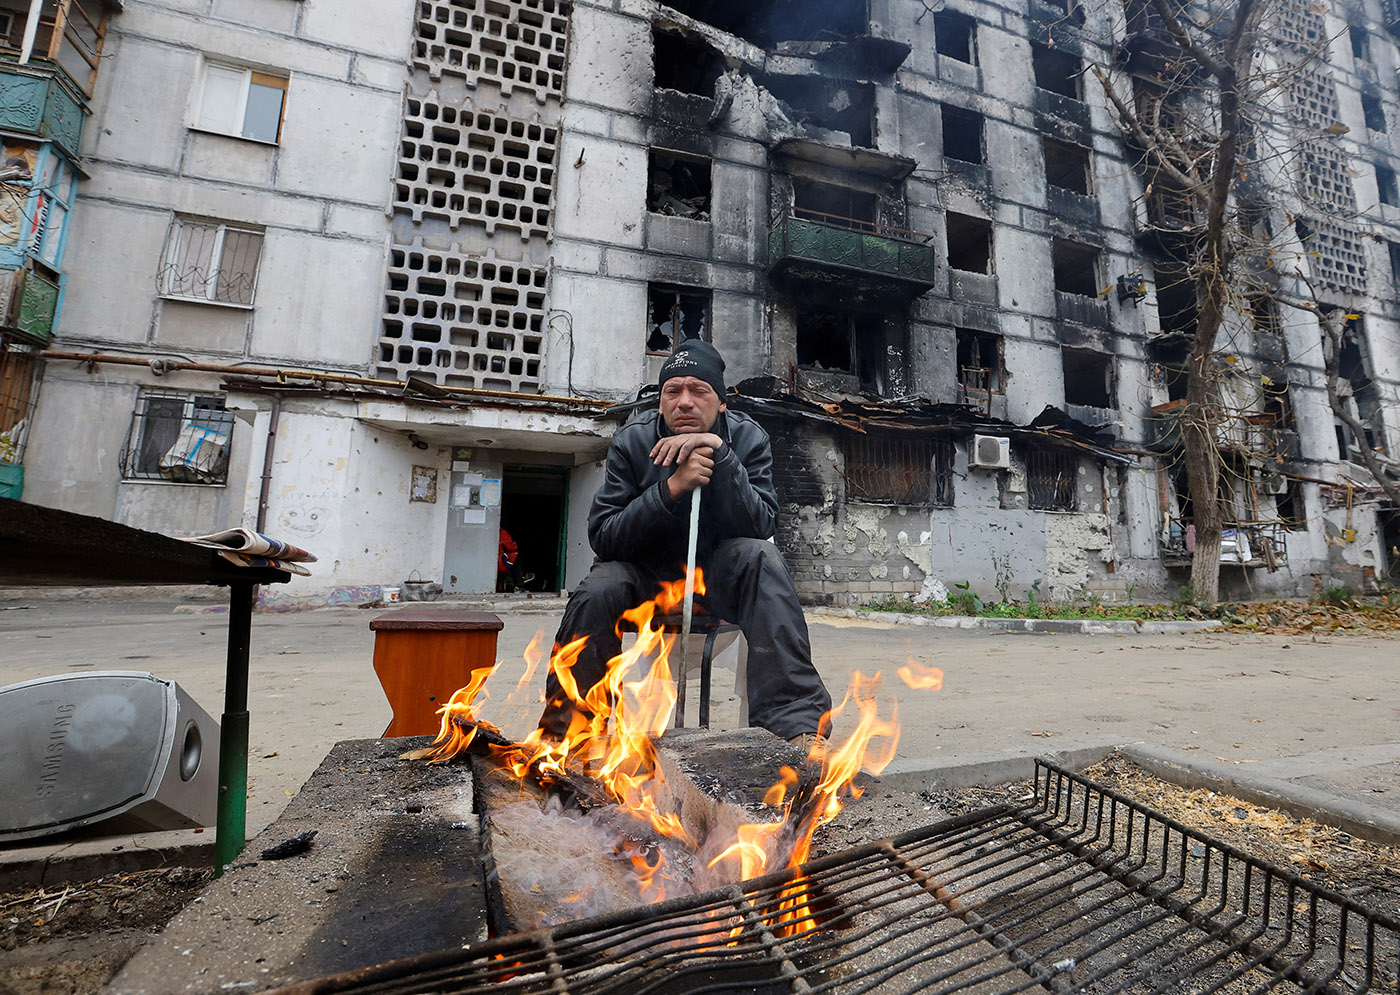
(1313, 721)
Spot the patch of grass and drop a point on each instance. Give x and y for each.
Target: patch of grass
(965, 602)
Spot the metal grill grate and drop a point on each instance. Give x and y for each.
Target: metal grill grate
(1079, 891)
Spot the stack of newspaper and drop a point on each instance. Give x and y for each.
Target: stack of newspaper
(247, 548)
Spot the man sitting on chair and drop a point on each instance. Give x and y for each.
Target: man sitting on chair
(639, 525)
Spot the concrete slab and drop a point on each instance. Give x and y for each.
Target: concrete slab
(393, 871)
(48, 864)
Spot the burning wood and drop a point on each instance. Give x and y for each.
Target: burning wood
(608, 779)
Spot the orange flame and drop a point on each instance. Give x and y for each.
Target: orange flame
(611, 739)
(921, 678)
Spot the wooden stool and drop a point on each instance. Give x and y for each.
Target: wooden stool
(424, 655)
(710, 626)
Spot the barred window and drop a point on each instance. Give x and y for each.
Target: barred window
(182, 438)
(1050, 479)
(210, 261)
(899, 468)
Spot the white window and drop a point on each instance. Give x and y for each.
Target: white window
(242, 102)
(211, 261)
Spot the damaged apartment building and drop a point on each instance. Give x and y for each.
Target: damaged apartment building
(406, 267)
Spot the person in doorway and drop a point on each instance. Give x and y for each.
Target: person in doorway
(639, 526)
(509, 577)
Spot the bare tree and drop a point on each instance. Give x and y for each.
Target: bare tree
(1189, 125)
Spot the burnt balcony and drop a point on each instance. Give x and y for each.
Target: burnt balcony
(28, 303)
(1091, 312)
(811, 247)
(40, 99)
(1242, 543)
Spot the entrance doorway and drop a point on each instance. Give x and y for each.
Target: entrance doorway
(534, 510)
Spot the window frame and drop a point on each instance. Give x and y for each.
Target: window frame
(179, 223)
(142, 420)
(240, 111)
(880, 451)
(1039, 460)
(677, 291)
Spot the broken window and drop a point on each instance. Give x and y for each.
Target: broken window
(1066, 165)
(210, 261)
(1071, 9)
(962, 135)
(1355, 368)
(678, 185)
(954, 36)
(1056, 70)
(843, 342)
(1360, 43)
(1393, 248)
(684, 62)
(766, 24)
(1263, 313)
(1373, 112)
(242, 102)
(830, 200)
(675, 314)
(1088, 378)
(178, 437)
(979, 361)
(1076, 268)
(1170, 364)
(969, 243)
(1050, 480)
(899, 468)
(1176, 299)
(1385, 184)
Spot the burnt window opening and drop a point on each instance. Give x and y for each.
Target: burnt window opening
(1076, 268)
(1071, 9)
(1169, 363)
(963, 135)
(839, 202)
(969, 243)
(1386, 188)
(1373, 112)
(1360, 43)
(766, 24)
(1056, 71)
(685, 63)
(843, 342)
(898, 468)
(954, 36)
(1050, 480)
(678, 185)
(1263, 314)
(1067, 165)
(1143, 17)
(675, 314)
(1176, 300)
(1393, 248)
(834, 104)
(1355, 368)
(1088, 378)
(979, 361)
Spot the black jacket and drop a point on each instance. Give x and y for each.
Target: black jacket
(633, 517)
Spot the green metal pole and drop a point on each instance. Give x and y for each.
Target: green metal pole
(233, 732)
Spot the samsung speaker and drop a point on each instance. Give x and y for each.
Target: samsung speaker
(125, 750)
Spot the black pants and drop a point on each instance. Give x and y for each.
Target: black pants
(746, 582)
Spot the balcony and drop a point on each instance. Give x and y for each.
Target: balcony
(1242, 544)
(808, 246)
(1091, 312)
(39, 99)
(28, 304)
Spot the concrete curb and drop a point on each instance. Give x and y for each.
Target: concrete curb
(1368, 822)
(50, 864)
(1090, 627)
(1355, 817)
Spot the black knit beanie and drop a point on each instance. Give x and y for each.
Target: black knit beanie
(695, 358)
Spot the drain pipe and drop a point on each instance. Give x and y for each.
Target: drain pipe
(265, 490)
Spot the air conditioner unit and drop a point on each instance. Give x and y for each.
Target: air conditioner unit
(990, 452)
(1273, 483)
(124, 749)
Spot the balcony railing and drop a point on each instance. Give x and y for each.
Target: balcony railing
(1246, 544)
(39, 99)
(801, 239)
(28, 304)
(1255, 434)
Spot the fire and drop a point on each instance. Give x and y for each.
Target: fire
(610, 750)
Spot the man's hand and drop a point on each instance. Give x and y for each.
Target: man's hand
(695, 471)
(677, 448)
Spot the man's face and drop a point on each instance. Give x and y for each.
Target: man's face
(689, 404)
